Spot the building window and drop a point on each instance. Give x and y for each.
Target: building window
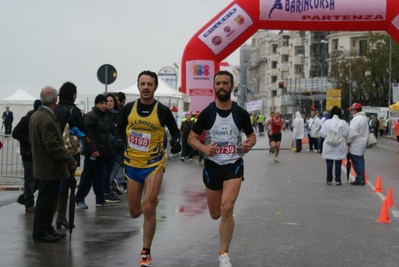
(362, 47)
(274, 79)
(274, 93)
(298, 69)
(274, 48)
(274, 64)
(284, 58)
(285, 42)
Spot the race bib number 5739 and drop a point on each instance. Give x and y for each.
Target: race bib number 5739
(139, 141)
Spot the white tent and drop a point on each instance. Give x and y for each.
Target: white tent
(20, 95)
(20, 102)
(164, 94)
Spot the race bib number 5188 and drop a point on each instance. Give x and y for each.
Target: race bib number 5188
(139, 141)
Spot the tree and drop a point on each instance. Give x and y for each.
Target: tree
(370, 70)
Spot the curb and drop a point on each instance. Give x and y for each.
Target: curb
(9, 188)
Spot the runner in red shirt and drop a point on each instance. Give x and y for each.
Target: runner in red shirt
(277, 124)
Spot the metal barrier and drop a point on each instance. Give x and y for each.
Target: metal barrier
(10, 160)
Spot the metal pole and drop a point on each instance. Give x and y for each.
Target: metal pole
(350, 81)
(106, 78)
(390, 70)
(321, 84)
(321, 90)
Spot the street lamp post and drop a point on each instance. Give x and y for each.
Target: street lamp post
(177, 75)
(390, 70)
(321, 84)
(350, 74)
(350, 69)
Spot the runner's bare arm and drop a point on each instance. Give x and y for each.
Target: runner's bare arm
(195, 143)
(249, 143)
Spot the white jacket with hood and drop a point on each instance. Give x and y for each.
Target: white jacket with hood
(298, 128)
(314, 127)
(358, 134)
(336, 125)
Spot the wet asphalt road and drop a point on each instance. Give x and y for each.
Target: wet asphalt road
(285, 215)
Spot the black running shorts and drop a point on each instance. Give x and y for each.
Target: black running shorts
(276, 137)
(214, 174)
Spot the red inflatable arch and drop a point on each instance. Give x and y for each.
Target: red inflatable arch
(242, 18)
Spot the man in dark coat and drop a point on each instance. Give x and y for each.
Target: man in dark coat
(21, 133)
(95, 153)
(51, 164)
(8, 118)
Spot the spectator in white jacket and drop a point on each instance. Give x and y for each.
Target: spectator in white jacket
(298, 132)
(321, 139)
(357, 141)
(331, 153)
(314, 127)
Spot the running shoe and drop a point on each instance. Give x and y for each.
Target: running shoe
(105, 204)
(116, 187)
(81, 205)
(275, 159)
(111, 198)
(224, 260)
(145, 259)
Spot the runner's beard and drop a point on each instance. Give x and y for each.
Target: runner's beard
(225, 97)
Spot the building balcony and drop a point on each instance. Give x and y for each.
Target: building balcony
(272, 72)
(272, 57)
(295, 60)
(285, 50)
(283, 66)
(295, 41)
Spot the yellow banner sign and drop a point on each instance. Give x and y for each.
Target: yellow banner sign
(333, 98)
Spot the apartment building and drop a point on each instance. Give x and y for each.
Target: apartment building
(288, 70)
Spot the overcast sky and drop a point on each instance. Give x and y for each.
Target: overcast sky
(50, 42)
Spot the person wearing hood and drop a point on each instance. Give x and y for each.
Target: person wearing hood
(298, 132)
(321, 139)
(21, 133)
(357, 141)
(334, 153)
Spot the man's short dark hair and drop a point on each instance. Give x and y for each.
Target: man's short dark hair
(149, 73)
(224, 72)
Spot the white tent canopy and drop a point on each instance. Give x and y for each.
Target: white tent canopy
(20, 102)
(20, 95)
(163, 90)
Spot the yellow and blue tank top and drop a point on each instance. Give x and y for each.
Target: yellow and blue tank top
(145, 139)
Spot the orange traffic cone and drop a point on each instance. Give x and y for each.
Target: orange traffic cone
(384, 215)
(378, 186)
(390, 198)
(353, 173)
(366, 180)
(343, 162)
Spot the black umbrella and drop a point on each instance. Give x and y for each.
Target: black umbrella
(74, 130)
(72, 183)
